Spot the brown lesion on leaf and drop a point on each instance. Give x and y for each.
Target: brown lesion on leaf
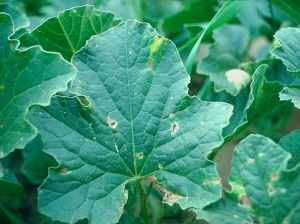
(175, 127)
(274, 176)
(168, 196)
(150, 62)
(154, 47)
(84, 101)
(124, 201)
(244, 200)
(271, 190)
(64, 171)
(139, 155)
(112, 123)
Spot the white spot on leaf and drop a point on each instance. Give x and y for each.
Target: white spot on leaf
(112, 123)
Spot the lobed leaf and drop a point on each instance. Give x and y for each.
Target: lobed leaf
(27, 78)
(259, 170)
(133, 121)
(289, 47)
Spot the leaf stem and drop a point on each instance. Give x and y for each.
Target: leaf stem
(142, 200)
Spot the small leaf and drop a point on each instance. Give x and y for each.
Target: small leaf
(26, 78)
(292, 94)
(139, 124)
(289, 48)
(69, 31)
(259, 166)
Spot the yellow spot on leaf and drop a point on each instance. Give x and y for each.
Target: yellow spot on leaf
(158, 40)
(64, 171)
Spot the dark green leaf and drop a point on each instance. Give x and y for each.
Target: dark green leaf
(69, 31)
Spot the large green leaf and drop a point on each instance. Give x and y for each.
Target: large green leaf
(259, 172)
(292, 94)
(289, 47)
(224, 59)
(69, 31)
(135, 122)
(291, 143)
(26, 78)
(226, 13)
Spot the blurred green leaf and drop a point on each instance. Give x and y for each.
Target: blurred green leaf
(226, 13)
(225, 56)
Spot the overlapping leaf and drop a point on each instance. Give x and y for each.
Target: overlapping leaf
(259, 171)
(289, 48)
(291, 143)
(134, 122)
(263, 99)
(69, 31)
(36, 162)
(26, 78)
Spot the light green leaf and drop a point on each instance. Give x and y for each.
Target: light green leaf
(292, 94)
(226, 13)
(258, 167)
(69, 31)
(20, 19)
(26, 78)
(291, 143)
(135, 122)
(36, 162)
(224, 211)
(289, 47)
(224, 59)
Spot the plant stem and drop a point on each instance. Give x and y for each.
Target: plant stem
(142, 199)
